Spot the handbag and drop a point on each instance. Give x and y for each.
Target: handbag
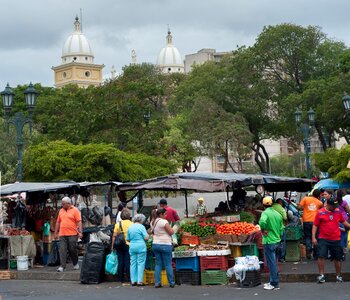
(119, 239)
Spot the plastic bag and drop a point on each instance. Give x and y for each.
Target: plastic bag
(111, 266)
(54, 256)
(92, 268)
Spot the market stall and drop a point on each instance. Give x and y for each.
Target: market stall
(211, 246)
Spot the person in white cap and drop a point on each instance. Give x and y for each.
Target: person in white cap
(201, 208)
(68, 229)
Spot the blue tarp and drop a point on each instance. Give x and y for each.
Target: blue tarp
(331, 184)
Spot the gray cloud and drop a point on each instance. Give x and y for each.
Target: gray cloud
(32, 33)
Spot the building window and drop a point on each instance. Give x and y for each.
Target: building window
(86, 58)
(169, 69)
(64, 75)
(87, 73)
(74, 58)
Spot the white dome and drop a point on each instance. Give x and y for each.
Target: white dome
(77, 48)
(169, 58)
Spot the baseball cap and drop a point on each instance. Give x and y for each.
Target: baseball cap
(163, 201)
(267, 201)
(333, 202)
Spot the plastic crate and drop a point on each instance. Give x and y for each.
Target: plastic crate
(236, 251)
(187, 263)
(293, 233)
(148, 277)
(252, 278)
(250, 250)
(189, 240)
(213, 277)
(188, 277)
(292, 251)
(214, 263)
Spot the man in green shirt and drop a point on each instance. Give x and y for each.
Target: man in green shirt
(279, 207)
(271, 225)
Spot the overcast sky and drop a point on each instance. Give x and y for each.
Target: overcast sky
(32, 32)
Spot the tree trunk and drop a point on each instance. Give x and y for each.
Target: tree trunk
(261, 157)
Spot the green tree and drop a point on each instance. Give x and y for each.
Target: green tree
(59, 160)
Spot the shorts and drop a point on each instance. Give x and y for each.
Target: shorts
(334, 248)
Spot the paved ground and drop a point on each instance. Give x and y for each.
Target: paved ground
(53, 290)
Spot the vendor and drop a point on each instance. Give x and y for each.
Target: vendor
(201, 208)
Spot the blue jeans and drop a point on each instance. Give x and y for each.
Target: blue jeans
(270, 251)
(307, 226)
(163, 254)
(123, 263)
(137, 262)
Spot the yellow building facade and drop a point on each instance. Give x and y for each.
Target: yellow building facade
(77, 65)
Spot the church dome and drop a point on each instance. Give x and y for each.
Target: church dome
(77, 48)
(169, 58)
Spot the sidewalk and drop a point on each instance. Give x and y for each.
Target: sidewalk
(303, 271)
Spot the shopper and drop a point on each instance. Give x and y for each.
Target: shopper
(162, 248)
(68, 229)
(279, 207)
(271, 225)
(171, 214)
(120, 208)
(123, 250)
(137, 235)
(327, 222)
(310, 205)
(344, 209)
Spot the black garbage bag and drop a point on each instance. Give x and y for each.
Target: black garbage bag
(54, 256)
(92, 269)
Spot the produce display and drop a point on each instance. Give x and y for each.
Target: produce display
(199, 229)
(236, 228)
(15, 231)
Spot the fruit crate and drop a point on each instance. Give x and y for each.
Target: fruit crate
(252, 279)
(189, 240)
(148, 277)
(293, 233)
(187, 263)
(250, 250)
(292, 251)
(188, 277)
(214, 277)
(214, 263)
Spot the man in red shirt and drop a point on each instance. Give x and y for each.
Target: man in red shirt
(171, 214)
(327, 222)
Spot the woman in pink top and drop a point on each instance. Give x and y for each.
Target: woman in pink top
(162, 248)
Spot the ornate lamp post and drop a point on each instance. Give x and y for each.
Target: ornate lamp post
(305, 129)
(19, 120)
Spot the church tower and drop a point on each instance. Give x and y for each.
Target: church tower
(169, 58)
(77, 65)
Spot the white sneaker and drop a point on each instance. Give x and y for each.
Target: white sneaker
(269, 286)
(60, 269)
(76, 267)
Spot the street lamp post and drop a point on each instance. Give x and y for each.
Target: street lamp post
(305, 129)
(19, 120)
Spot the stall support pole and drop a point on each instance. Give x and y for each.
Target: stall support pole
(186, 204)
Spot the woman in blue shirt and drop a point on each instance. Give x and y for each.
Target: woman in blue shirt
(137, 235)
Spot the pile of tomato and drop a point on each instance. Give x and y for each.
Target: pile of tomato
(236, 228)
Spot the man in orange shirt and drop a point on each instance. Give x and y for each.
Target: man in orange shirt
(68, 228)
(310, 205)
